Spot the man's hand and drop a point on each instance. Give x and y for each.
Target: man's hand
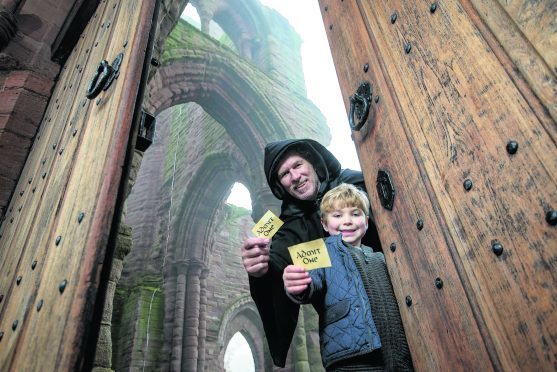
(296, 279)
(255, 256)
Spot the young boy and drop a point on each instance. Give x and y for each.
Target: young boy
(359, 323)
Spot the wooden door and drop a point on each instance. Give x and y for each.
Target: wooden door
(54, 238)
(461, 139)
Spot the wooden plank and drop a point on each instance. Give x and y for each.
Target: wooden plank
(532, 50)
(83, 179)
(536, 21)
(450, 106)
(27, 239)
(434, 321)
(43, 157)
(477, 110)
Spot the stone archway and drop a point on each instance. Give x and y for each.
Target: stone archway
(242, 316)
(201, 204)
(242, 20)
(252, 107)
(204, 150)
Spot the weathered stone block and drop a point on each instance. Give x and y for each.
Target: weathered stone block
(30, 81)
(6, 187)
(14, 149)
(103, 355)
(23, 110)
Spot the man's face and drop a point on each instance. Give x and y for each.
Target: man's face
(298, 177)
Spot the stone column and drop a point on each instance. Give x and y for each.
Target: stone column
(202, 320)
(205, 12)
(191, 323)
(311, 324)
(103, 354)
(205, 22)
(299, 346)
(264, 200)
(246, 47)
(169, 287)
(179, 313)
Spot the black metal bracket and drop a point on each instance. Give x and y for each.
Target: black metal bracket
(146, 131)
(385, 189)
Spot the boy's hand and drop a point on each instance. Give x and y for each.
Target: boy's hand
(296, 279)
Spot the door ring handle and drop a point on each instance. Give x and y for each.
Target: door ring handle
(99, 80)
(359, 106)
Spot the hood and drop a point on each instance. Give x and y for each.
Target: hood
(325, 164)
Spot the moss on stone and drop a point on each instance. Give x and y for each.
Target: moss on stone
(299, 346)
(183, 34)
(234, 213)
(133, 314)
(150, 321)
(173, 141)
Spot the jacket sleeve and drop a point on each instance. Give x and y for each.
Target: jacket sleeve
(315, 289)
(300, 298)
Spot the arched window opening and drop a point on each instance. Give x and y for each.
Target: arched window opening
(239, 196)
(191, 15)
(238, 356)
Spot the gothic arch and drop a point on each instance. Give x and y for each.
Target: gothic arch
(225, 93)
(242, 20)
(253, 108)
(205, 195)
(242, 316)
(221, 95)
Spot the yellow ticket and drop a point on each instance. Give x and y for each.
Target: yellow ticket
(311, 255)
(267, 226)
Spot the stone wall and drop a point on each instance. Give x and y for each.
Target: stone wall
(284, 57)
(27, 76)
(186, 136)
(23, 98)
(137, 317)
(227, 281)
(186, 239)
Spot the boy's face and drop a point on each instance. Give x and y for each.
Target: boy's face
(351, 222)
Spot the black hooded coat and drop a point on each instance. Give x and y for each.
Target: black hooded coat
(301, 224)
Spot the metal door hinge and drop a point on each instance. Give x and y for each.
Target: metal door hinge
(385, 189)
(146, 131)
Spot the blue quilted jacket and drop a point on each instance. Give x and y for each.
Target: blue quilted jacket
(346, 326)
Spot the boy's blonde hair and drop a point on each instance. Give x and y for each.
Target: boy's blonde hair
(342, 196)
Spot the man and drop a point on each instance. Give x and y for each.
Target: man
(299, 172)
